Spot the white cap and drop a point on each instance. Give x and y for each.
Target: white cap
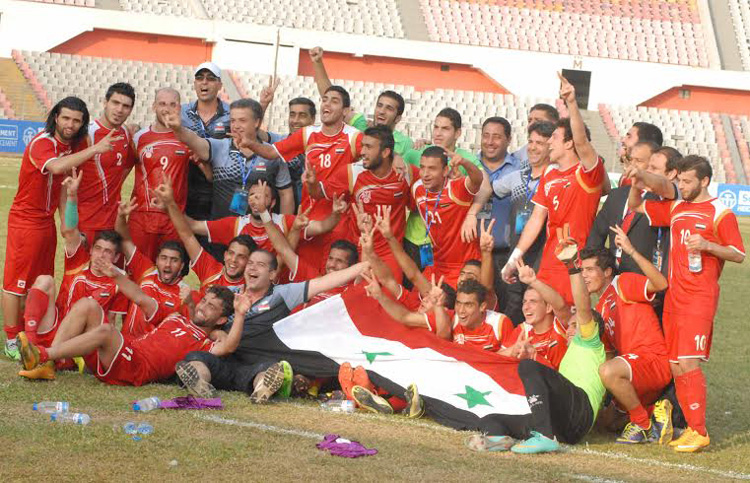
(211, 67)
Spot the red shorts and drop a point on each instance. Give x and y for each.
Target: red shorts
(688, 336)
(145, 238)
(649, 374)
(28, 254)
(126, 369)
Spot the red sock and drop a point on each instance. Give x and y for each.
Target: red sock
(11, 331)
(639, 416)
(36, 306)
(398, 404)
(43, 356)
(691, 394)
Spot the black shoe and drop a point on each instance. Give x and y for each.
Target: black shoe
(196, 386)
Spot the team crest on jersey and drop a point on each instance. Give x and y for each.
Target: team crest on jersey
(148, 151)
(365, 196)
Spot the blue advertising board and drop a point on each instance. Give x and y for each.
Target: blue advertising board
(15, 135)
(736, 197)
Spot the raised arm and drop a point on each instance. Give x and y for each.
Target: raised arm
(487, 267)
(527, 276)
(199, 146)
(69, 225)
(567, 252)
(121, 226)
(583, 147)
(379, 269)
(394, 309)
(530, 233)
(320, 75)
(410, 269)
(64, 164)
(655, 183)
(316, 228)
(227, 345)
(284, 251)
(656, 281)
(635, 199)
(469, 227)
(268, 92)
(335, 279)
(475, 176)
(128, 287)
(166, 196)
(310, 179)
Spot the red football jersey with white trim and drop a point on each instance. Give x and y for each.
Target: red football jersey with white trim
(224, 229)
(167, 345)
(571, 197)
(630, 323)
(103, 176)
(493, 334)
(327, 154)
(551, 345)
(159, 154)
(142, 271)
(210, 272)
(79, 282)
(38, 194)
(694, 293)
(445, 212)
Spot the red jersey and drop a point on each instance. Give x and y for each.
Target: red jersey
(210, 272)
(159, 154)
(692, 293)
(142, 270)
(305, 272)
(551, 345)
(38, 194)
(166, 345)
(495, 333)
(103, 176)
(361, 185)
(571, 197)
(79, 282)
(327, 154)
(630, 323)
(444, 213)
(224, 229)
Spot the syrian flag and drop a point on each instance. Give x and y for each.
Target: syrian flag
(463, 387)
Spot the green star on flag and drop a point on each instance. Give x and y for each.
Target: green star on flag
(474, 397)
(372, 355)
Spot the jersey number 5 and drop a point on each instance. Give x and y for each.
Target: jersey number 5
(555, 202)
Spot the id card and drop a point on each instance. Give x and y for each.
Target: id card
(425, 255)
(657, 258)
(522, 217)
(239, 202)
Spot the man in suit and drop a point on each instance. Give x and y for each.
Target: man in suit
(615, 211)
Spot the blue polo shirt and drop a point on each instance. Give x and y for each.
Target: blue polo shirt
(498, 208)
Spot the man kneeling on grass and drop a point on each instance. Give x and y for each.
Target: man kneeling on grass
(123, 360)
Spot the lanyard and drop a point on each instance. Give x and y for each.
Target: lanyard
(529, 194)
(244, 169)
(427, 210)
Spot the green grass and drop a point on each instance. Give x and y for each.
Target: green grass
(36, 448)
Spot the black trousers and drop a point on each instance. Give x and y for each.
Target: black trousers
(558, 408)
(413, 251)
(229, 373)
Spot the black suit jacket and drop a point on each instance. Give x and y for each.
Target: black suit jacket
(641, 234)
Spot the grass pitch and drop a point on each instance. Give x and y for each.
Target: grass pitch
(277, 442)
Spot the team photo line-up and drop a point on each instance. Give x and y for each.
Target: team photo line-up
(497, 250)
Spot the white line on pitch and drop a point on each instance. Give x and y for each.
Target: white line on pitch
(263, 427)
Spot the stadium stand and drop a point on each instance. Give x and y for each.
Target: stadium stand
(688, 131)
(741, 130)
(740, 12)
(77, 3)
(378, 18)
(667, 32)
(6, 110)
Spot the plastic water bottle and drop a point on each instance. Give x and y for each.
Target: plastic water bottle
(75, 418)
(338, 406)
(145, 428)
(695, 262)
(50, 407)
(130, 428)
(147, 404)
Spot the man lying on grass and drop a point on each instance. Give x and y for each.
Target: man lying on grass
(120, 359)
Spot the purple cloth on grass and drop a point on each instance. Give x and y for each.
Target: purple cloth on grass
(343, 447)
(190, 402)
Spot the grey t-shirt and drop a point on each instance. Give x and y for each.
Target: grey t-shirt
(276, 305)
(229, 166)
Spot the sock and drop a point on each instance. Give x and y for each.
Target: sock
(691, 393)
(36, 306)
(43, 356)
(639, 416)
(398, 404)
(11, 331)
